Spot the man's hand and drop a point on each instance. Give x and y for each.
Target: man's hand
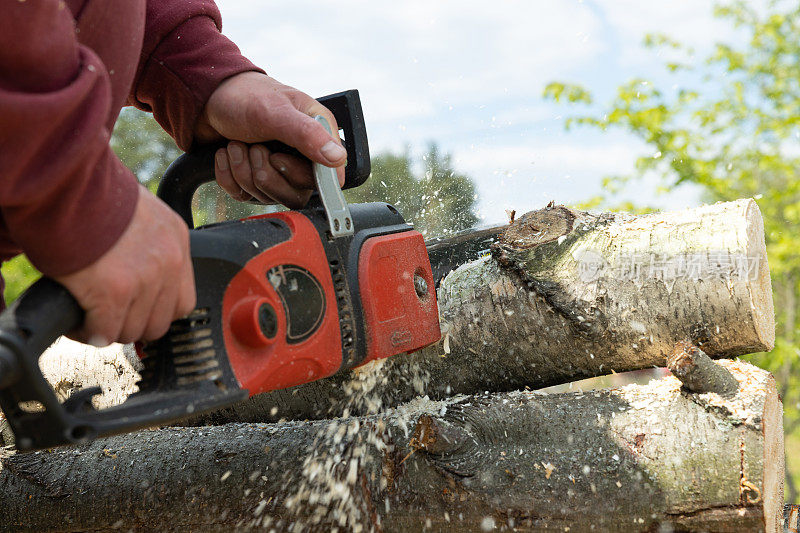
(252, 107)
(143, 283)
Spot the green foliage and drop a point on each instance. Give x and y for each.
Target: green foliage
(18, 275)
(735, 134)
(143, 146)
(570, 93)
(438, 201)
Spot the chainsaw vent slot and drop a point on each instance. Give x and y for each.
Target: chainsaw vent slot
(187, 350)
(343, 306)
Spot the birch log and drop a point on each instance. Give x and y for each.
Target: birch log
(638, 458)
(567, 295)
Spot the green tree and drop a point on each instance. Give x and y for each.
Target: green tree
(18, 275)
(438, 200)
(734, 131)
(143, 146)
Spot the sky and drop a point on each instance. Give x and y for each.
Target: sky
(469, 76)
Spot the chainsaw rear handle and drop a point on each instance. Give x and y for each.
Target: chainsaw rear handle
(32, 323)
(39, 419)
(191, 170)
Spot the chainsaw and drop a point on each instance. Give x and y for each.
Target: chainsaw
(283, 299)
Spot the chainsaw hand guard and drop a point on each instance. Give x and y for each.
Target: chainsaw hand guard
(191, 170)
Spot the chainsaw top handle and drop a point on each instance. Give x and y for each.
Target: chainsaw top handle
(191, 170)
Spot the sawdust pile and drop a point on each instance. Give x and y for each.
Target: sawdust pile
(330, 487)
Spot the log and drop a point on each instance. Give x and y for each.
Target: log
(569, 295)
(566, 295)
(636, 458)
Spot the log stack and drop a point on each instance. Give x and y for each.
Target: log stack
(565, 295)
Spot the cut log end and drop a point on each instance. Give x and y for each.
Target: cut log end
(760, 284)
(774, 467)
(538, 227)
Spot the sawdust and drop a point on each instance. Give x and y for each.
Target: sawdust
(330, 487)
(738, 409)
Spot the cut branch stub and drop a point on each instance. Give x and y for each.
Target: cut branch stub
(699, 373)
(437, 436)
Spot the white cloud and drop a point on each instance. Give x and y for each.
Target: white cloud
(469, 75)
(409, 57)
(690, 22)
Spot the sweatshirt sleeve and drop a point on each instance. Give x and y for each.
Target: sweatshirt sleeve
(64, 195)
(184, 59)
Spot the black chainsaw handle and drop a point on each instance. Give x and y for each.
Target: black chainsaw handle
(191, 170)
(33, 322)
(39, 419)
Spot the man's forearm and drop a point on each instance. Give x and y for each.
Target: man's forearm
(65, 198)
(184, 59)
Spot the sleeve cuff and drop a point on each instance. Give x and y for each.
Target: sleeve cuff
(183, 71)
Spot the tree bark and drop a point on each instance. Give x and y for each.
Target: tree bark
(566, 295)
(630, 459)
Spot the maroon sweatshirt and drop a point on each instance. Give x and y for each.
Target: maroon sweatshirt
(66, 69)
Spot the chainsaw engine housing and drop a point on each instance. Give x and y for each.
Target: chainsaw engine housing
(296, 305)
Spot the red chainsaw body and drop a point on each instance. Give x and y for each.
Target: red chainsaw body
(289, 357)
(398, 317)
(298, 288)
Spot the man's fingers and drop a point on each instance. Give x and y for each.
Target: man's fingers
(142, 312)
(240, 166)
(270, 181)
(187, 295)
(295, 127)
(99, 330)
(240, 174)
(312, 108)
(158, 322)
(296, 171)
(222, 171)
(101, 326)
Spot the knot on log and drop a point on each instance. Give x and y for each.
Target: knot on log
(698, 372)
(749, 490)
(436, 436)
(538, 227)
